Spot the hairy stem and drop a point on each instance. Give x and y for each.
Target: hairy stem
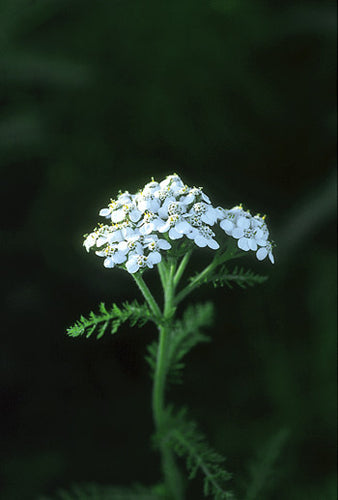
(181, 268)
(195, 282)
(162, 271)
(159, 377)
(147, 295)
(169, 292)
(171, 473)
(219, 258)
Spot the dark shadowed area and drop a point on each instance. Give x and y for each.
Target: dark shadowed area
(236, 96)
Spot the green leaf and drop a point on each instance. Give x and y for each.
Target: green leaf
(183, 436)
(262, 471)
(242, 277)
(151, 356)
(135, 313)
(184, 335)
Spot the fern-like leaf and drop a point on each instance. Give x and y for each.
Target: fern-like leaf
(262, 469)
(135, 313)
(152, 355)
(183, 436)
(242, 277)
(184, 335)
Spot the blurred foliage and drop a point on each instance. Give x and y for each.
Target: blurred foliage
(237, 96)
(94, 491)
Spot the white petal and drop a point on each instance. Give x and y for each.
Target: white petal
(212, 214)
(221, 213)
(151, 186)
(259, 234)
(157, 223)
(154, 257)
(135, 215)
(208, 219)
(154, 205)
(89, 241)
(190, 198)
(163, 211)
(105, 212)
(148, 228)
(243, 244)
(128, 232)
(192, 234)
(132, 266)
(150, 239)
(252, 244)
(142, 229)
(119, 257)
(213, 244)
(123, 246)
(113, 237)
(227, 225)
(118, 215)
(142, 205)
(124, 198)
(101, 240)
(243, 222)
(238, 233)
(201, 241)
(174, 235)
(139, 248)
(108, 262)
(271, 257)
(261, 253)
(145, 229)
(164, 228)
(205, 198)
(164, 244)
(177, 183)
(182, 226)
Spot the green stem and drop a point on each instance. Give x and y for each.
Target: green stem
(195, 282)
(167, 270)
(169, 291)
(220, 258)
(147, 295)
(172, 478)
(159, 378)
(162, 271)
(181, 268)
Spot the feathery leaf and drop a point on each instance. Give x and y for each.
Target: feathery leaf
(184, 335)
(135, 313)
(187, 441)
(262, 470)
(242, 277)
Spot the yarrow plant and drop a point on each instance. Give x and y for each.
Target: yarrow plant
(160, 227)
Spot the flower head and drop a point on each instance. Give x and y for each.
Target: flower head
(144, 225)
(251, 232)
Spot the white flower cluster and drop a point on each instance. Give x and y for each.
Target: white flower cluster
(251, 232)
(143, 224)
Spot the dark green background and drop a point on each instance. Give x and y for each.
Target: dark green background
(96, 96)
